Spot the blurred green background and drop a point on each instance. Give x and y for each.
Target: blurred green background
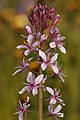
(13, 17)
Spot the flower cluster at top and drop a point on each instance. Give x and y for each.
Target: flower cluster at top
(43, 42)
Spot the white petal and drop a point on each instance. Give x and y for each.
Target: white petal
(50, 108)
(37, 49)
(57, 109)
(54, 58)
(43, 81)
(20, 103)
(30, 59)
(53, 101)
(26, 52)
(26, 105)
(39, 79)
(20, 116)
(60, 115)
(59, 99)
(61, 78)
(34, 91)
(29, 30)
(21, 46)
(52, 44)
(30, 39)
(30, 77)
(27, 98)
(17, 112)
(43, 37)
(17, 71)
(55, 69)
(23, 90)
(43, 66)
(63, 50)
(38, 34)
(50, 90)
(42, 55)
(36, 44)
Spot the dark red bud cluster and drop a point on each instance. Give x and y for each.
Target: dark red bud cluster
(41, 17)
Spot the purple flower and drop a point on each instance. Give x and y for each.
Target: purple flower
(30, 44)
(37, 35)
(57, 40)
(60, 74)
(55, 96)
(23, 66)
(54, 112)
(48, 62)
(22, 109)
(33, 83)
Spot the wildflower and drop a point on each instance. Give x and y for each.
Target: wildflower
(30, 44)
(55, 96)
(60, 74)
(57, 41)
(37, 35)
(22, 109)
(54, 112)
(23, 66)
(48, 62)
(33, 83)
(42, 29)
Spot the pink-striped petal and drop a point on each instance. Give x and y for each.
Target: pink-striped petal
(26, 52)
(55, 69)
(42, 55)
(36, 44)
(50, 108)
(21, 46)
(57, 109)
(30, 77)
(44, 79)
(24, 89)
(50, 90)
(20, 116)
(30, 39)
(43, 66)
(62, 49)
(54, 58)
(26, 106)
(20, 103)
(43, 37)
(28, 28)
(39, 79)
(17, 71)
(60, 114)
(35, 91)
(61, 78)
(53, 101)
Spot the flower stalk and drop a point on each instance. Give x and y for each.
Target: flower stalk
(40, 99)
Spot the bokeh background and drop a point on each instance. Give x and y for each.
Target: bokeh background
(13, 18)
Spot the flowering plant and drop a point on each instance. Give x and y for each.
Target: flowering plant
(42, 41)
